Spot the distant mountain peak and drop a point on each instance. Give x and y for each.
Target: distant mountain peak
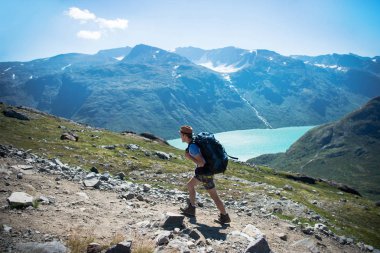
(115, 53)
(144, 54)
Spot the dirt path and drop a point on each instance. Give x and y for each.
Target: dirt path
(104, 215)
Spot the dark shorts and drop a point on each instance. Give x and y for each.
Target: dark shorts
(207, 181)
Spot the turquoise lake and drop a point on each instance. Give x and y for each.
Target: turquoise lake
(246, 144)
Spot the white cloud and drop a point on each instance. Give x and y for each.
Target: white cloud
(90, 35)
(104, 25)
(79, 14)
(112, 23)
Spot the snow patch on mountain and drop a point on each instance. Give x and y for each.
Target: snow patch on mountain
(227, 78)
(339, 68)
(63, 68)
(174, 72)
(220, 68)
(119, 58)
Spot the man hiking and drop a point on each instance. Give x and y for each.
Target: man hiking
(202, 175)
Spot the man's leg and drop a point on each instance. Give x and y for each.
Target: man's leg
(190, 209)
(218, 202)
(223, 217)
(191, 188)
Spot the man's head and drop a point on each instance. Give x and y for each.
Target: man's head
(186, 133)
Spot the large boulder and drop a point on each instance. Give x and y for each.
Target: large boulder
(20, 200)
(48, 247)
(69, 136)
(14, 114)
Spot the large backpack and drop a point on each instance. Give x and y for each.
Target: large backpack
(212, 151)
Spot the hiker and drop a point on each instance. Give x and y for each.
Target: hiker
(202, 175)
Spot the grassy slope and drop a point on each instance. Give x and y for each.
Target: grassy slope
(357, 217)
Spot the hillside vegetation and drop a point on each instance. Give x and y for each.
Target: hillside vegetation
(150, 161)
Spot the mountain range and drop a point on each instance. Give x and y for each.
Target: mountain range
(346, 150)
(147, 89)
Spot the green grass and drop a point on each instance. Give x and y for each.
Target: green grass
(357, 217)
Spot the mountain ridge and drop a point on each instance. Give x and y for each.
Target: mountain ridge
(232, 89)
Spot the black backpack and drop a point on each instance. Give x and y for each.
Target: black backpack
(212, 151)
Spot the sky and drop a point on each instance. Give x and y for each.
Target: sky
(32, 29)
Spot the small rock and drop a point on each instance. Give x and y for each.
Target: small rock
(110, 147)
(95, 170)
(283, 236)
(7, 229)
(57, 162)
(163, 155)
(122, 247)
(163, 238)
(105, 176)
(172, 220)
(308, 230)
(121, 175)
(369, 248)
(43, 200)
(259, 245)
(252, 231)
(132, 147)
(341, 239)
(93, 182)
(128, 196)
(22, 167)
(146, 187)
(94, 248)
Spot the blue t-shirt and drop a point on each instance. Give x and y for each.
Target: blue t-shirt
(194, 149)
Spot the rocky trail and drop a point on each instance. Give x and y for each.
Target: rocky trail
(71, 201)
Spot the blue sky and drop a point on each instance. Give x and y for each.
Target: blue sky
(33, 29)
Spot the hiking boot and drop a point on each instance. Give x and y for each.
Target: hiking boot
(189, 210)
(223, 218)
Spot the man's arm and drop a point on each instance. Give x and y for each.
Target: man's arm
(198, 159)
